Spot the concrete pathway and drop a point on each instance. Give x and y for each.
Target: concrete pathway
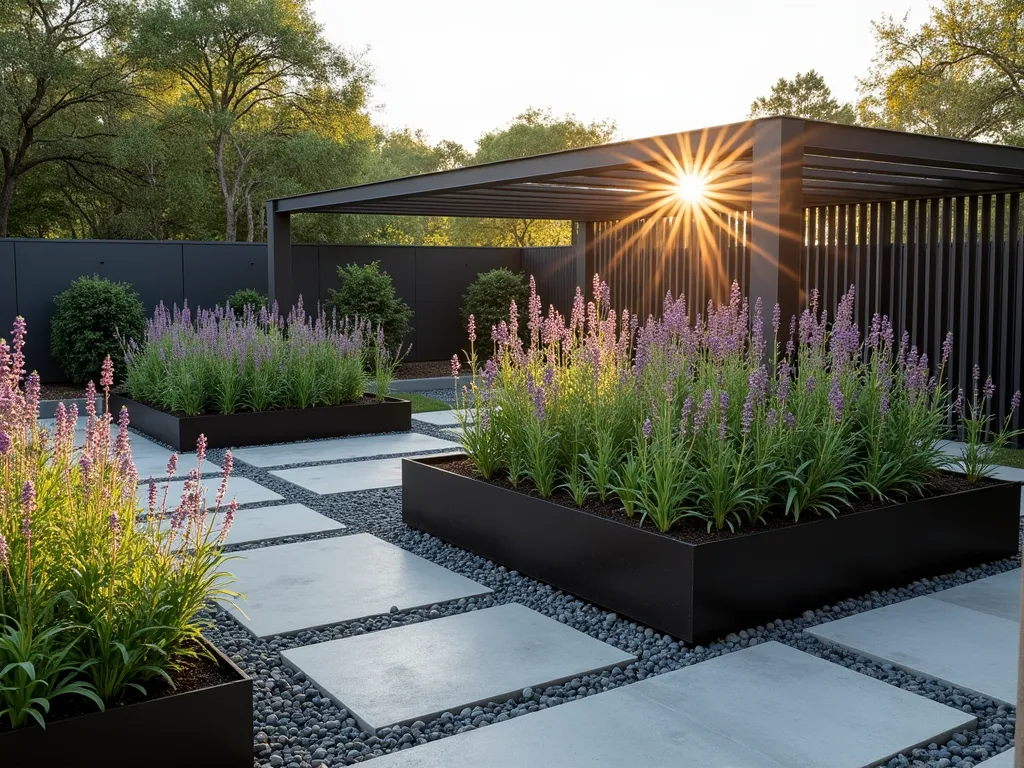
(340, 449)
(967, 636)
(418, 671)
(310, 584)
(764, 707)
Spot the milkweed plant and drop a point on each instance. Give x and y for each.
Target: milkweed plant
(728, 417)
(100, 596)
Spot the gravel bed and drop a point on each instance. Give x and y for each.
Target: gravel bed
(295, 727)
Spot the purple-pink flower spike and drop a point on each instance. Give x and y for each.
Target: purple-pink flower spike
(3, 552)
(28, 506)
(456, 366)
(989, 388)
(1015, 401)
(107, 373)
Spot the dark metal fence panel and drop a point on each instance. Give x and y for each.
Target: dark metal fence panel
(8, 288)
(431, 280)
(442, 277)
(213, 271)
(555, 270)
(397, 261)
(47, 267)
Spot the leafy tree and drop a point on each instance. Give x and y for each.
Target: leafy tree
(94, 318)
(534, 132)
(488, 299)
(246, 297)
(406, 152)
(256, 71)
(368, 293)
(806, 95)
(961, 74)
(61, 70)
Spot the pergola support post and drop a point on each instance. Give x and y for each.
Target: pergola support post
(776, 239)
(583, 256)
(279, 258)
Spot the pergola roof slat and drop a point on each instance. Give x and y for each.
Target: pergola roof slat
(840, 164)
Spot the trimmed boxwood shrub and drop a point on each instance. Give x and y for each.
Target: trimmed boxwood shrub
(94, 318)
(368, 293)
(246, 296)
(488, 298)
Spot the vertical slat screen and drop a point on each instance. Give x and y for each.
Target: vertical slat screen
(554, 270)
(933, 266)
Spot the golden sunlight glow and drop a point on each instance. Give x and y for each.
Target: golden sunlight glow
(690, 187)
(695, 189)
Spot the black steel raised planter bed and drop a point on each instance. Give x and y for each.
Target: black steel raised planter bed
(206, 728)
(703, 591)
(264, 427)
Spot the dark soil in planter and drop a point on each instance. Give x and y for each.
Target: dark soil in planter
(194, 674)
(426, 369)
(693, 530)
(61, 392)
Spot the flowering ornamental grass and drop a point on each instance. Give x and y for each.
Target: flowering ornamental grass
(219, 362)
(99, 599)
(708, 419)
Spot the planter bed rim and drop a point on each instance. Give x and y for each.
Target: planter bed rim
(434, 461)
(219, 657)
(181, 416)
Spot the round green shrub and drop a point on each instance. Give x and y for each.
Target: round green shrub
(246, 297)
(368, 293)
(93, 318)
(488, 298)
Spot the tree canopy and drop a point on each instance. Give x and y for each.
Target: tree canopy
(178, 119)
(807, 96)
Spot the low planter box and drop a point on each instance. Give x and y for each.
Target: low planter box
(207, 728)
(264, 427)
(701, 592)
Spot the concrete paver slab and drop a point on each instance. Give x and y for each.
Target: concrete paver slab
(418, 671)
(309, 584)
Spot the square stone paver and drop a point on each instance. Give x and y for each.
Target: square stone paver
(936, 639)
(997, 595)
(291, 587)
(150, 457)
(244, 490)
(151, 461)
(340, 449)
(1002, 760)
(441, 418)
(341, 478)
(267, 523)
(418, 671)
(764, 707)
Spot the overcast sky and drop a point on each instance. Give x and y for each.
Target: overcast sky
(459, 68)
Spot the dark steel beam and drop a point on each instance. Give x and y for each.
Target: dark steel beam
(621, 155)
(903, 169)
(834, 140)
(776, 238)
(902, 182)
(279, 257)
